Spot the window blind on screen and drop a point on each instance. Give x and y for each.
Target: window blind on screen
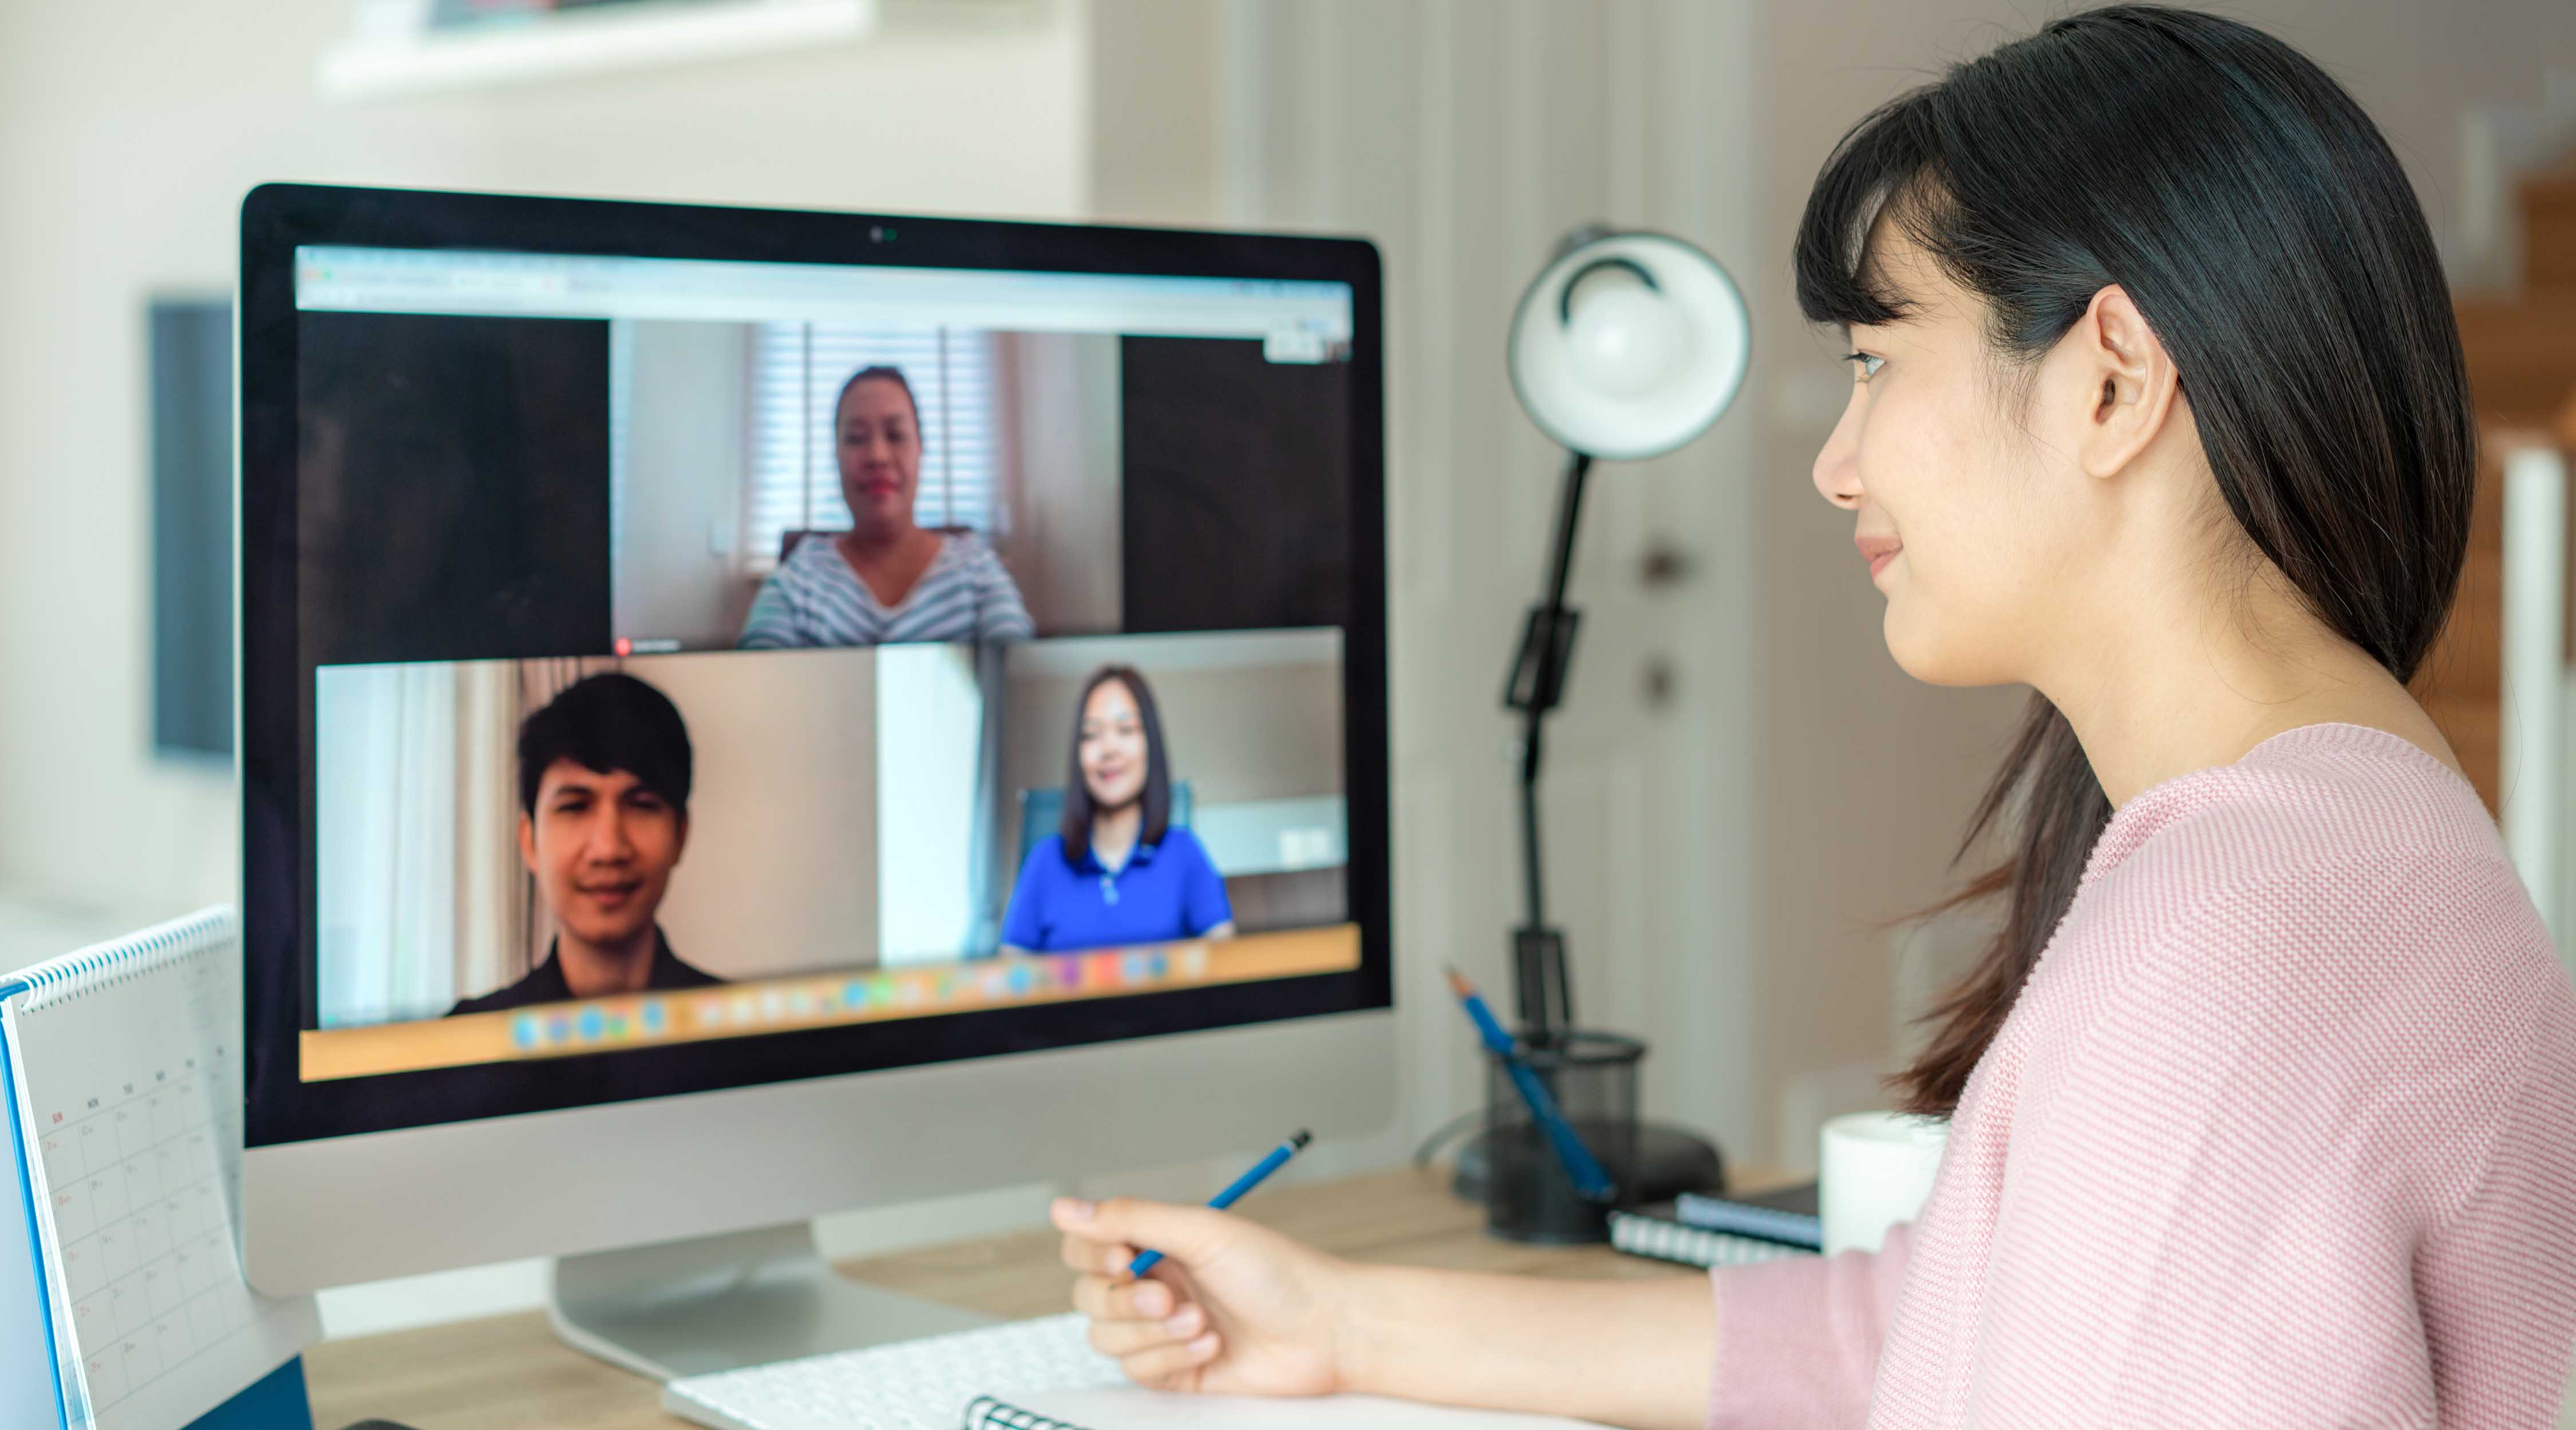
(796, 373)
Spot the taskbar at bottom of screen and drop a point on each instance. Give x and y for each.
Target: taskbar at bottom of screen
(777, 1005)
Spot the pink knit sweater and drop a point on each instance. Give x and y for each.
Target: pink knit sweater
(2282, 1132)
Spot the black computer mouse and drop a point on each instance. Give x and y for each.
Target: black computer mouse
(376, 1425)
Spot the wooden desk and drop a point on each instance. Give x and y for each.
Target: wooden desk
(510, 1373)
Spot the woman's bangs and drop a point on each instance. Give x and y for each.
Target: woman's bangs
(1878, 163)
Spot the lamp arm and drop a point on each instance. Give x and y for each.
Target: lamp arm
(1569, 511)
(1537, 685)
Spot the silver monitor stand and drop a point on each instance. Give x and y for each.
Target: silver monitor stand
(716, 1303)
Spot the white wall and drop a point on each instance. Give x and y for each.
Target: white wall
(929, 734)
(1061, 476)
(129, 130)
(779, 873)
(675, 568)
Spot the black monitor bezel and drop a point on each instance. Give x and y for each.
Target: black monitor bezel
(276, 681)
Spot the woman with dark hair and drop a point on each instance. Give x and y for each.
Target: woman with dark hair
(885, 579)
(1117, 871)
(2261, 1104)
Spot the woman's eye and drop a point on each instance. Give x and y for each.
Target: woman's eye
(1868, 364)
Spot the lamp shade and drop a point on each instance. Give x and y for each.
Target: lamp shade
(1628, 345)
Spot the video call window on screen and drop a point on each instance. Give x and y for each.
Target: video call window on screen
(801, 645)
(667, 455)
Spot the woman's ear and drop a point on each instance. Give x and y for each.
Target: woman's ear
(2130, 384)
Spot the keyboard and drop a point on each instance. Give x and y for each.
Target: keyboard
(909, 1385)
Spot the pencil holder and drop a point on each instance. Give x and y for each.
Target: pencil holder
(1529, 1196)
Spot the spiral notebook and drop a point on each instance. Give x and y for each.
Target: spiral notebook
(122, 1083)
(1021, 1375)
(1783, 1214)
(1137, 1409)
(1658, 1231)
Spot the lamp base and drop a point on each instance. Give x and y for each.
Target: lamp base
(1670, 1161)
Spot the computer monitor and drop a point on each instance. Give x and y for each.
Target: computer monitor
(748, 714)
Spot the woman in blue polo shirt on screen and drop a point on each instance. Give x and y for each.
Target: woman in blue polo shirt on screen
(1117, 871)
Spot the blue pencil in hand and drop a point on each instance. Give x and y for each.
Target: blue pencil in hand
(1277, 1159)
(1580, 1165)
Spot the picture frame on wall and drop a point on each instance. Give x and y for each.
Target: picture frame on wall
(403, 47)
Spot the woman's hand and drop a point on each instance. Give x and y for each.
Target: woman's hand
(1232, 1308)
(1236, 1308)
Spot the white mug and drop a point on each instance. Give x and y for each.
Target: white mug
(1875, 1169)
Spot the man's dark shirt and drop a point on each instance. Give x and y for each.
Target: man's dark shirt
(545, 983)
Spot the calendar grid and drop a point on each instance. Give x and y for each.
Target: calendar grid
(147, 1258)
(132, 1093)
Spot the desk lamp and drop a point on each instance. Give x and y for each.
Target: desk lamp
(1625, 347)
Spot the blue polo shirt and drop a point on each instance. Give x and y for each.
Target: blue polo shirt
(1166, 891)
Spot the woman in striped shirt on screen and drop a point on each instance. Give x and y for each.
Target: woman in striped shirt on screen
(886, 579)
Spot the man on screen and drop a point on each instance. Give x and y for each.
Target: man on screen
(603, 815)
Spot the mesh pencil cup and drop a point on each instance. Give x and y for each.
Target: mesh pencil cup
(1528, 1194)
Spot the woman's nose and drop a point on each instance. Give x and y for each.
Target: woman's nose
(1837, 473)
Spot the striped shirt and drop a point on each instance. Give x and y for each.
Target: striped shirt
(2281, 1131)
(815, 599)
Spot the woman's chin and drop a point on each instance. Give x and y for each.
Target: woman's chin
(1926, 657)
